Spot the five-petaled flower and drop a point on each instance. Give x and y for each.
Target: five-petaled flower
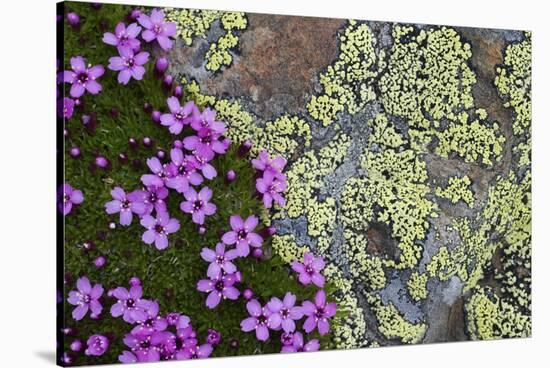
(157, 29)
(128, 64)
(271, 186)
(158, 229)
(184, 171)
(293, 342)
(124, 36)
(318, 313)
(83, 78)
(220, 260)
(257, 321)
(69, 197)
(122, 203)
(284, 313)
(85, 298)
(161, 173)
(263, 163)
(198, 204)
(127, 303)
(309, 271)
(218, 288)
(242, 234)
(179, 116)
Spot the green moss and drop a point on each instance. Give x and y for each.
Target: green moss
(458, 188)
(347, 83)
(417, 286)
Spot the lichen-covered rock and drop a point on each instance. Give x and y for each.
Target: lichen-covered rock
(408, 151)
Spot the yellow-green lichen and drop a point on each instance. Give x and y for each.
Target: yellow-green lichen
(364, 268)
(458, 188)
(283, 135)
(399, 179)
(285, 247)
(393, 325)
(305, 177)
(417, 286)
(219, 53)
(471, 140)
(347, 83)
(191, 23)
(491, 317)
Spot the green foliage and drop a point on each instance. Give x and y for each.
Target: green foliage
(169, 276)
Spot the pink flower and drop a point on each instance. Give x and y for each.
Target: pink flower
(197, 204)
(318, 313)
(263, 163)
(242, 234)
(69, 197)
(129, 64)
(293, 342)
(158, 229)
(218, 288)
(220, 260)
(309, 271)
(184, 169)
(179, 116)
(124, 36)
(257, 320)
(270, 186)
(83, 78)
(161, 173)
(157, 29)
(123, 204)
(284, 313)
(85, 298)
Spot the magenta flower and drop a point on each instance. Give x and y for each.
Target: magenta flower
(85, 298)
(293, 342)
(157, 29)
(147, 318)
(201, 162)
(142, 349)
(65, 107)
(179, 116)
(82, 78)
(69, 197)
(127, 303)
(218, 288)
(242, 234)
(195, 352)
(270, 186)
(124, 36)
(97, 345)
(178, 320)
(263, 163)
(284, 313)
(160, 173)
(122, 204)
(207, 120)
(197, 204)
(128, 64)
(158, 229)
(257, 320)
(213, 337)
(220, 260)
(153, 198)
(205, 143)
(184, 169)
(309, 271)
(318, 313)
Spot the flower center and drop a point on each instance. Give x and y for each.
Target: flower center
(157, 28)
(66, 198)
(130, 62)
(262, 320)
(86, 298)
(320, 312)
(82, 77)
(152, 197)
(219, 286)
(197, 205)
(220, 259)
(159, 228)
(310, 270)
(130, 303)
(285, 313)
(145, 344)
(241, 234)
(125, 204)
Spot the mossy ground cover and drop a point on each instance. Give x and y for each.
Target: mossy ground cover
(168, 276)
